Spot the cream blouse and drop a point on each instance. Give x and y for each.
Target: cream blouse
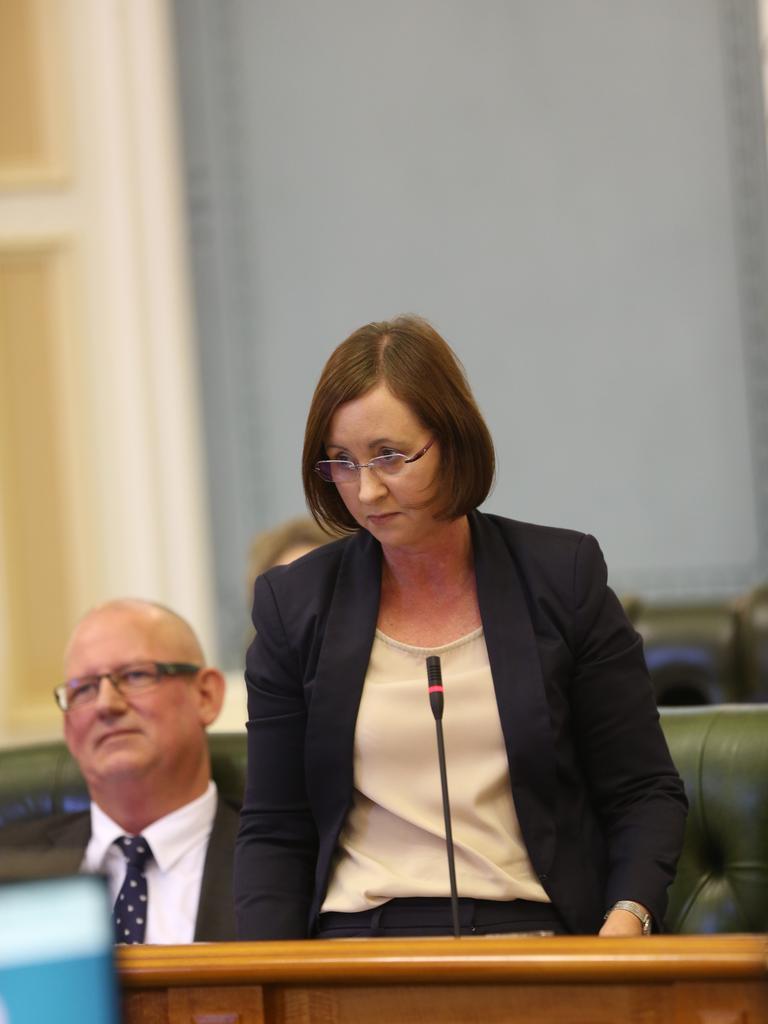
(393, 842)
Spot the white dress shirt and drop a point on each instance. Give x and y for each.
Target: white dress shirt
(179, 843)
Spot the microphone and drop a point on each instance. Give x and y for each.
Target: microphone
(435, 686)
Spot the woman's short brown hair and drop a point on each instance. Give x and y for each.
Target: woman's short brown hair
(419, 368)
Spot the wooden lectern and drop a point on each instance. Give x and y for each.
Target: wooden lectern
(718, 979)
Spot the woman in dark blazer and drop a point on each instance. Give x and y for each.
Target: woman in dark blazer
(568, 813)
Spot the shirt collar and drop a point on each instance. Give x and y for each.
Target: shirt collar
(169, 837)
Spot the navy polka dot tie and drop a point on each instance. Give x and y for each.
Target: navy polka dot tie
(130, 910)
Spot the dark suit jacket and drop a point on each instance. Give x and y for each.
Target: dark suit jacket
(60, 841)
(600, 804)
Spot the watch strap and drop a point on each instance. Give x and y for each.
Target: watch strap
(638, 910)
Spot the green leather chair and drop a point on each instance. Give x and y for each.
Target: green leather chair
(753, 616)
(720, 751)
(693, 652)
(44, 778)
(709, 652)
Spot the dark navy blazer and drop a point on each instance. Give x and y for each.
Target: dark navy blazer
(59, 842)
(600, 804)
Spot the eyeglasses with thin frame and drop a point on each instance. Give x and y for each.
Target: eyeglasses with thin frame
(75, 693)
(345, 471)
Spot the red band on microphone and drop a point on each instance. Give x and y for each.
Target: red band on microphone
(435, 689)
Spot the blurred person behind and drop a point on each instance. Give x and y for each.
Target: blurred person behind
(284, 543)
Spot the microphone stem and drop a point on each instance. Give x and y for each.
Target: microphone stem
(448, 830)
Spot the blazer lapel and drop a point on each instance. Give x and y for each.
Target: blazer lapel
(339, 679)
(215, 912)
(519, 686)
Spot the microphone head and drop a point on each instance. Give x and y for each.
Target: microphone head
(434, 675)
(435, 686)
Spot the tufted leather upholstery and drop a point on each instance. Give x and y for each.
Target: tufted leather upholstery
(722, 879)
(721, 753)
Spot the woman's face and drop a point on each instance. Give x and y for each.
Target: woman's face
(376, 424)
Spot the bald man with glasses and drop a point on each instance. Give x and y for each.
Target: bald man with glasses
(136, 703)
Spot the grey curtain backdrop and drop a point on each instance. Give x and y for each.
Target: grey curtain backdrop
(572, 191)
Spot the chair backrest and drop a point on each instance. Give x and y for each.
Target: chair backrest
(754, 634)
(44, 779)
(720, 751)
(693, 653)
(705, 652)
(722, 878)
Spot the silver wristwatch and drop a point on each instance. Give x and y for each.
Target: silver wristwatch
(638, 910)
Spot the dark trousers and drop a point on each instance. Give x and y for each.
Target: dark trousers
(421, 916)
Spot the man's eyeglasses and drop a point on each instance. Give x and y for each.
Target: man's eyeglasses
(130, 679)
(344, 471)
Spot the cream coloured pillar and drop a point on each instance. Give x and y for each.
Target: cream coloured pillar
(102, 489)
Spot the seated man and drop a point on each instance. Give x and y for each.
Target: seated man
(136, 703)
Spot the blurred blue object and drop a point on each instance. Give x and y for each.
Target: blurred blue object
(56, 957)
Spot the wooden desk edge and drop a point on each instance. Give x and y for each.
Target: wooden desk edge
(467, 960)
